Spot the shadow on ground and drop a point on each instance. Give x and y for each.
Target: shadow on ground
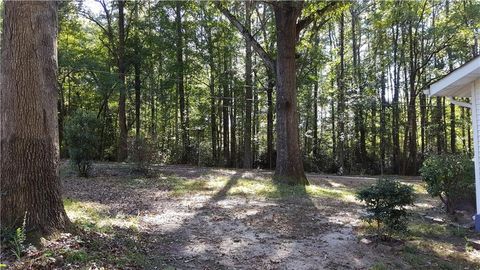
(187, 218)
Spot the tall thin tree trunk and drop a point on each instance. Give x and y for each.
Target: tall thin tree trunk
(395, 105)
(233, 126)
(180, 84)
(213, 116)
(122, 114)
(383, 122)
(439, 124)
(29, 146)
(341, 99)
(226, 106)
(270, 85)
(315, 117)
(463, 119)
(247, 132)
(137, 72)
(412, 112)
(233, 121)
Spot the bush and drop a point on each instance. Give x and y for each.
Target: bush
(81, 135)
(386, 203)
(203, 156)
(141, 153)
(451, 178)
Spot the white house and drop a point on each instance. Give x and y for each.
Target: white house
(465, 82)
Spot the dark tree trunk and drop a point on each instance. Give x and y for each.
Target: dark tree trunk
(180, 84)
(213, 116)
(359, 115)
(395, 106)
(225, 111)
(270, 85)
(122, 115)
(137, 71)
(383, 122)
(439, 125)
(453, 132)
(411, 111)
(289, 165)
(341, 100)
(469, 133)
(247, 132)
(29, 180)
(462, 117)
(233, 126)
(423, 123)
(315, 117)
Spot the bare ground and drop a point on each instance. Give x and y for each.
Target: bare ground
(195, 224)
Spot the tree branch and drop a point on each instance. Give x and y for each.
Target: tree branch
(320, 12)
(269, 61)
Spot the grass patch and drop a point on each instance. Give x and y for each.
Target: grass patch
(110, 239)
(250, 188)
(419, 229)
(76, 256)
(379, 266)
(92, 216)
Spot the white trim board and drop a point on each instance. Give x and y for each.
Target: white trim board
(458, 82)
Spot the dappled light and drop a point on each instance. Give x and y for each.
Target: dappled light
(321, 134)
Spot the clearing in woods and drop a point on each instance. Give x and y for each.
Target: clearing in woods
(206, 218)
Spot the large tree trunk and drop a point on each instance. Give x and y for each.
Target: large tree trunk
(29, 180)
(247, 132)
(122, 116)
(289, 166)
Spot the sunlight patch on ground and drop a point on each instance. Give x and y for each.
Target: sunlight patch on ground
(252, 188)
(170, 219)
(92, 215)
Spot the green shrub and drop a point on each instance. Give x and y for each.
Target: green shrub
(449, 177)
(81, 135)
(15, 239)
(386, 203)
(141, 153)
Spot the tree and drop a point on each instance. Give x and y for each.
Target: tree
(180, 83)
(247, 132)
(29, 149)
(122, 69)
(289, 164)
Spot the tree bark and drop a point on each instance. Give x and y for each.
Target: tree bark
(382, 121)
(247, 132)
(341, 100)
(213, 116)
(29, 150)
(137, 71)
(395, 105)
(225, 109)
(122, 115)
(180, 84)
(315, 117)
(289, 165)
(233, 125)
(270, 85)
